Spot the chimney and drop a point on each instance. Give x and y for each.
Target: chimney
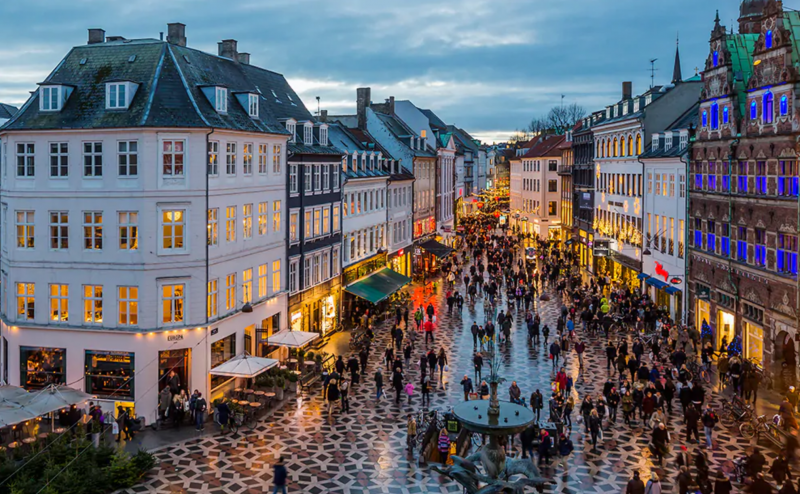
(391, 105)
(109, 39)
(244, 58)
(323, 116)
(363, 100)
(227, 48)
(96, 36)
(627, 90)
(176, 34)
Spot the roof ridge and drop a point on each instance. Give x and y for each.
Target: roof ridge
(186, 86)
(152, 95)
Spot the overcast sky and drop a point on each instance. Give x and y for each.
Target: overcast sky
(487, 66)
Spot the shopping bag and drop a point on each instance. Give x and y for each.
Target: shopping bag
(115, 428)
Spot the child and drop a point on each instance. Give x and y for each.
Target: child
(409, 391)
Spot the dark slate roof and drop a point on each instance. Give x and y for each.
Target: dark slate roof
(463, 140)
(7, 111)
(690, 117)
(401, 131)
(170, 78)
(343, 139)
(434, 119)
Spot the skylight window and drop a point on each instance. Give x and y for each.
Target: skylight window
(290, 99)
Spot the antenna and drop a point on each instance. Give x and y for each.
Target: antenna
(318, 111)
(653, 70)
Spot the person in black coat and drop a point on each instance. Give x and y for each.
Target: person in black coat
(635, 485)
(684, 481)
(527, 438)
(537, 403)
(722, 484)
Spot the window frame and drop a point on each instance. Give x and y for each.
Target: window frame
(61, 226)
(129, 226)
(59, 303)
(92, 231)
(92, 303)
(47, 102)
(26, 160)
(130, 300)
(59, 160)
(176, 170)
(92, 159)
(131, 168)
(177, 304)
(183, 223)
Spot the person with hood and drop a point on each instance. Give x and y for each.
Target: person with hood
(635, 485)
(544, 446)
(653, 485)
(164, 404)
(722, 484)
(527, 438)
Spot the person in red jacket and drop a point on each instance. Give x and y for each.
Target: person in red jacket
(428, 327)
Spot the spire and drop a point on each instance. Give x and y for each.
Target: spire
(716, 21)
(676, 71)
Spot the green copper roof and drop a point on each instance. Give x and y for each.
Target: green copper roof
(791, 21)
(740, 47)
(378, 286)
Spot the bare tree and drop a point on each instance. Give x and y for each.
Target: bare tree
(519, 136)
(563, 118)
(538, 125)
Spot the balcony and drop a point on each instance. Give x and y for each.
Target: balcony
(565, 169)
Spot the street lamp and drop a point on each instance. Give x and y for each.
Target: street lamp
(646, 251)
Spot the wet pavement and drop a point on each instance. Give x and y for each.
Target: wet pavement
(364, 451)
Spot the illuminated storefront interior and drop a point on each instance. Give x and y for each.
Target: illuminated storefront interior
(40, 367)
(754, 342)
(725, 327)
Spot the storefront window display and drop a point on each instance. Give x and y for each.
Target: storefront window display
(297, 320)
(328, 310)
(175, 360)
(40, 367)
(109, 374)
(725, 327)
(754, 342)
(222, 351)
(268, 327)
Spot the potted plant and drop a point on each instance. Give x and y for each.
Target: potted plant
(318, 363)
(96, 430)
(292, 382)
(269, 384)
(301, 359)
(280, 384)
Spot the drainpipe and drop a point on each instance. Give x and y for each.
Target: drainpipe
(208, 334)
(685, 291)
(733, 147)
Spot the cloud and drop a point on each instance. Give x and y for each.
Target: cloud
(485, 65)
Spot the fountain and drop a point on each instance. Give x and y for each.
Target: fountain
(496, 420)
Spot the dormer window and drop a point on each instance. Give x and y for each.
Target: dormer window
(648, 99)
(119, 95)
(684, 139)
(655, 142)
(355, 162)
(636, 105)
(308, 134)
(668, 142)
(51, 98)
(252, 105)
(221, 99)
(323, 135)
(291, 127)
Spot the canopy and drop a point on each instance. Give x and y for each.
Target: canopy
(643, 276)
(11, 393)
(671, 290)
(17, 405)
(292, 339)
(435, 248)
(378, 286)
(656, 283)
(244, 365)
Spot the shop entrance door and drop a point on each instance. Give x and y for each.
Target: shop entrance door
(725, 327)
(178, 361)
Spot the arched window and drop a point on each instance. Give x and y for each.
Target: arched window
(616, 147)
(608, 148)
(630, 145)
(784, 105)
(725, 116)
(768, 40)
(716, 58)
(705, 118)
(753, 111)
(768, 114)
(638, 143)
(715, 116)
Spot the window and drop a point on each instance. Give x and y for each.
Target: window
(787, 178)
(230, 158)
(93, 304)
(335, 262)
(93, 230)
(658, 183)
(230, 224)
(308, 224)
(262, 281)
(768, 40)
(742, 178)
(276, 161)
(247, 159)
(25, 301)
(769, 114)
(212, 298)
(230, 292)
(172, 158)
(276, 216)
(172, 303)
(59, 303)
(698, 233)
(276, 276)
(741, 245)
(59, 230)
(317, 223)
(59, 159)
(317, 182)
(247, 286)
(221, 100)
(552, 208)
(753, 110)
(293, 274)
(715, 116)
(128, 297)
(109, 374)
(252, 105)
(326, 177)
(291, 127)
(116, 96)
(649, 183)
(336, 220)
(25, 159)
(761, 248)
(293, 179)
(128, 230)
(308, 134)
(761, 177)
(247, 221)
(293, 217)
(307, 272)
(725, 244)
(725, 115)
(307, 179)
(787, 253)
(262, 159)
(705, 118)
(680, 239)
(335, 178)
(221, 351)
(213, 158)
(552, 165)
(715, 58)
(712, 177)
(128, 158)
(92, 159)
(262, 218)
(326, 220)
(213, 226)
(173, 223)
(711, 237)
(552, 186)
(323, 136)
(50, 98)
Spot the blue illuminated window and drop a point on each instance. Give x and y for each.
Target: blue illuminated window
(705, 118)
(753, 111)
(769, 114)
(768, 40)
(725, 244)
(725, 117)
(741, 245)
(715, 116)
(711, 237)
(787, 253)
(716, 58)
(726, 183)
(760, 251)
(784, 105)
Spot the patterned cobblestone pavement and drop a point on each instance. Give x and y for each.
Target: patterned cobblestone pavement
(364, 451)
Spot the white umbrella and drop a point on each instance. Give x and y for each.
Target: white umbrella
(53, 398)
(11, 393)
(245, 366)
(292, 339)
(14, 414)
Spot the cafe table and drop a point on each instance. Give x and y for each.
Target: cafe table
(269, 396)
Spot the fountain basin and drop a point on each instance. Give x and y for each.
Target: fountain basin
(474, 416)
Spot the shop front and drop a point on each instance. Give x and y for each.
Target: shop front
(584, 250)
(726, 328)
(316, 309)
(400, 261)
(754, 342)
(352, 306)
(619, 272)
(428, 254)
(370, 294)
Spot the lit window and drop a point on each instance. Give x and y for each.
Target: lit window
(50, 98)
(25, 301)
(252, 105)
(335, 262)
(230, 223)
(128, 305)
(753, 110)
(769, 114)
(59, 303)
(262, 218)
(262, 281)
(276, 276)
(336, 219)
(326, 221)
(308, 224)
(247, 159)
(247, 286)
(715, 116)
(172, 303)
(172, 158)
(128, 230)
(59, 159)
(230, 291)
(293, 217)
(725, 115)
(784, 105)
(262, 159)
(768, 40)
(173, 223)
(93, 304)
(93, 230)
(276, 216)
(716, 59)
(247, 221)
(59, 230)
(213, 158)
(92, 159)
(128, 158)
(221, 100)
(787, 253)
(317, 223)
(212, 298)
(26, 159)
(276, 161)
(705, 118)
(213, 226)
(116, 95)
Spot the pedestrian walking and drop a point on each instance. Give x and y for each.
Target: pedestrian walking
(710, 420)
(635, 485)
(466, 385)
(378, 384)
(279, 477)
(411, 431)
(477, 362)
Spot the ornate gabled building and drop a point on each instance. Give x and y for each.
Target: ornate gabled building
(743, 205)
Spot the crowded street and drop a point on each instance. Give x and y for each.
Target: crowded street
(365, 450)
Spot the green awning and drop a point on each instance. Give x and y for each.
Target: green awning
(437, 249)
(378, 286)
